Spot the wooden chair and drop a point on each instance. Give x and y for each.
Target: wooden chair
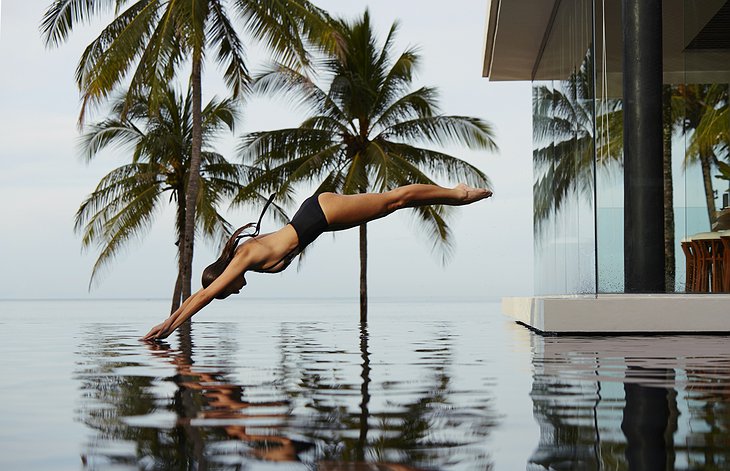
(707, 248)
(716, 271)
(703, 263)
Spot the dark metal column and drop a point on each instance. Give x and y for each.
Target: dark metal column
(643, 187)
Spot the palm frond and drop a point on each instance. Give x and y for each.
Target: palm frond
(129, 215)
(106, 133)
(208, 220)
(263, 148)
(431, 219)
(159, 57)
(276, 24)
(432, 222)
(217, 114)
(63, 15)
(417, 104)
(440, 164)
(397, 81)
(282, 81)
(107, 59)
(473, 133)
(356, 175)
(225, 39)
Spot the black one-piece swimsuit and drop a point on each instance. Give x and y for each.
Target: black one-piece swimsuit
(309, 221)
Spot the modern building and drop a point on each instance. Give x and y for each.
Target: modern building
(630, 126)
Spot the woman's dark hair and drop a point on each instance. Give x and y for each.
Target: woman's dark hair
(215, 269)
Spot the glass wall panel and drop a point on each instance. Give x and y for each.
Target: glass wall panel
(696, 62)
(609, 147)
(564, 157)
(701, 141)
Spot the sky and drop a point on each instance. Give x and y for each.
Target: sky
(43, 180)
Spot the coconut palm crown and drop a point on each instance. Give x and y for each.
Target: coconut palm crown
(125, 202)
(149, 41)
(367, 129)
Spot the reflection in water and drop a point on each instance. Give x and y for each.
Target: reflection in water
(203, 405)
(657, 403)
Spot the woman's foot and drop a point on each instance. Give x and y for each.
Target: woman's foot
(471, 195)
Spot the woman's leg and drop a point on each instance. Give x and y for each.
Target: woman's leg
(345, 211)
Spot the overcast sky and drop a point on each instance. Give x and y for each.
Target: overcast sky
(43, 181)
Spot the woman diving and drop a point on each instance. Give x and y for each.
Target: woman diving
(272, 253)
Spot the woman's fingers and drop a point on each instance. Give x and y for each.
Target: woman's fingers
(160, 331)
(149, 334)
(153, 332)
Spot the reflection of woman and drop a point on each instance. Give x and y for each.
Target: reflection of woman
(223, 401)
(272, 253)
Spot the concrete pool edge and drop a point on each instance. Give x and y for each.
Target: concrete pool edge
(622, 314)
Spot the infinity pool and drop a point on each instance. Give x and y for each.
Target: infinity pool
(301, 384)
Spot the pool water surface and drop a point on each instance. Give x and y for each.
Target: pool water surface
(301, 384)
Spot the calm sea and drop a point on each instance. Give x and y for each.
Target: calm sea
(301, 384)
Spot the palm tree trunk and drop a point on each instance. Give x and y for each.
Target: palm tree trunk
(194, 175)
(363, 273)
(706, 163)
(179, 225)
(669, 261)
(177, 292)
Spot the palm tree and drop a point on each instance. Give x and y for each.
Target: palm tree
(705, 111)
(125, 201)
(161, 36)
(361, 133)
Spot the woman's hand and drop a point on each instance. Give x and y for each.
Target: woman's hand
(199, 300)
(191, 305)
(160, 331)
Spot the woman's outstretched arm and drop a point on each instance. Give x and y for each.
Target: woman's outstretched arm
(200, 299)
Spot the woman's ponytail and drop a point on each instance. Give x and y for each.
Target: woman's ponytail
(215, 269)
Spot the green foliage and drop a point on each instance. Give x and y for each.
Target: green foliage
(563, 133)
(367, 129)
(148, 41)
(125, 202)
(705, 111)
(724, 169)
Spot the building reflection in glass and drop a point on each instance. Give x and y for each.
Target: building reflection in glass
(631, 403)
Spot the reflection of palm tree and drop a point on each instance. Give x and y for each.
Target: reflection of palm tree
(364, 392)
(205, 394)
(201, 394)
(563, 131)
(708, 401)
(416, 431)
(705, 112)
(362, 134)
(566, 435)
(568, 431)
(124, 203)
(563, 134)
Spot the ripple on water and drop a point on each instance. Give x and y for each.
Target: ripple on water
(289, 392)
(632, 400)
